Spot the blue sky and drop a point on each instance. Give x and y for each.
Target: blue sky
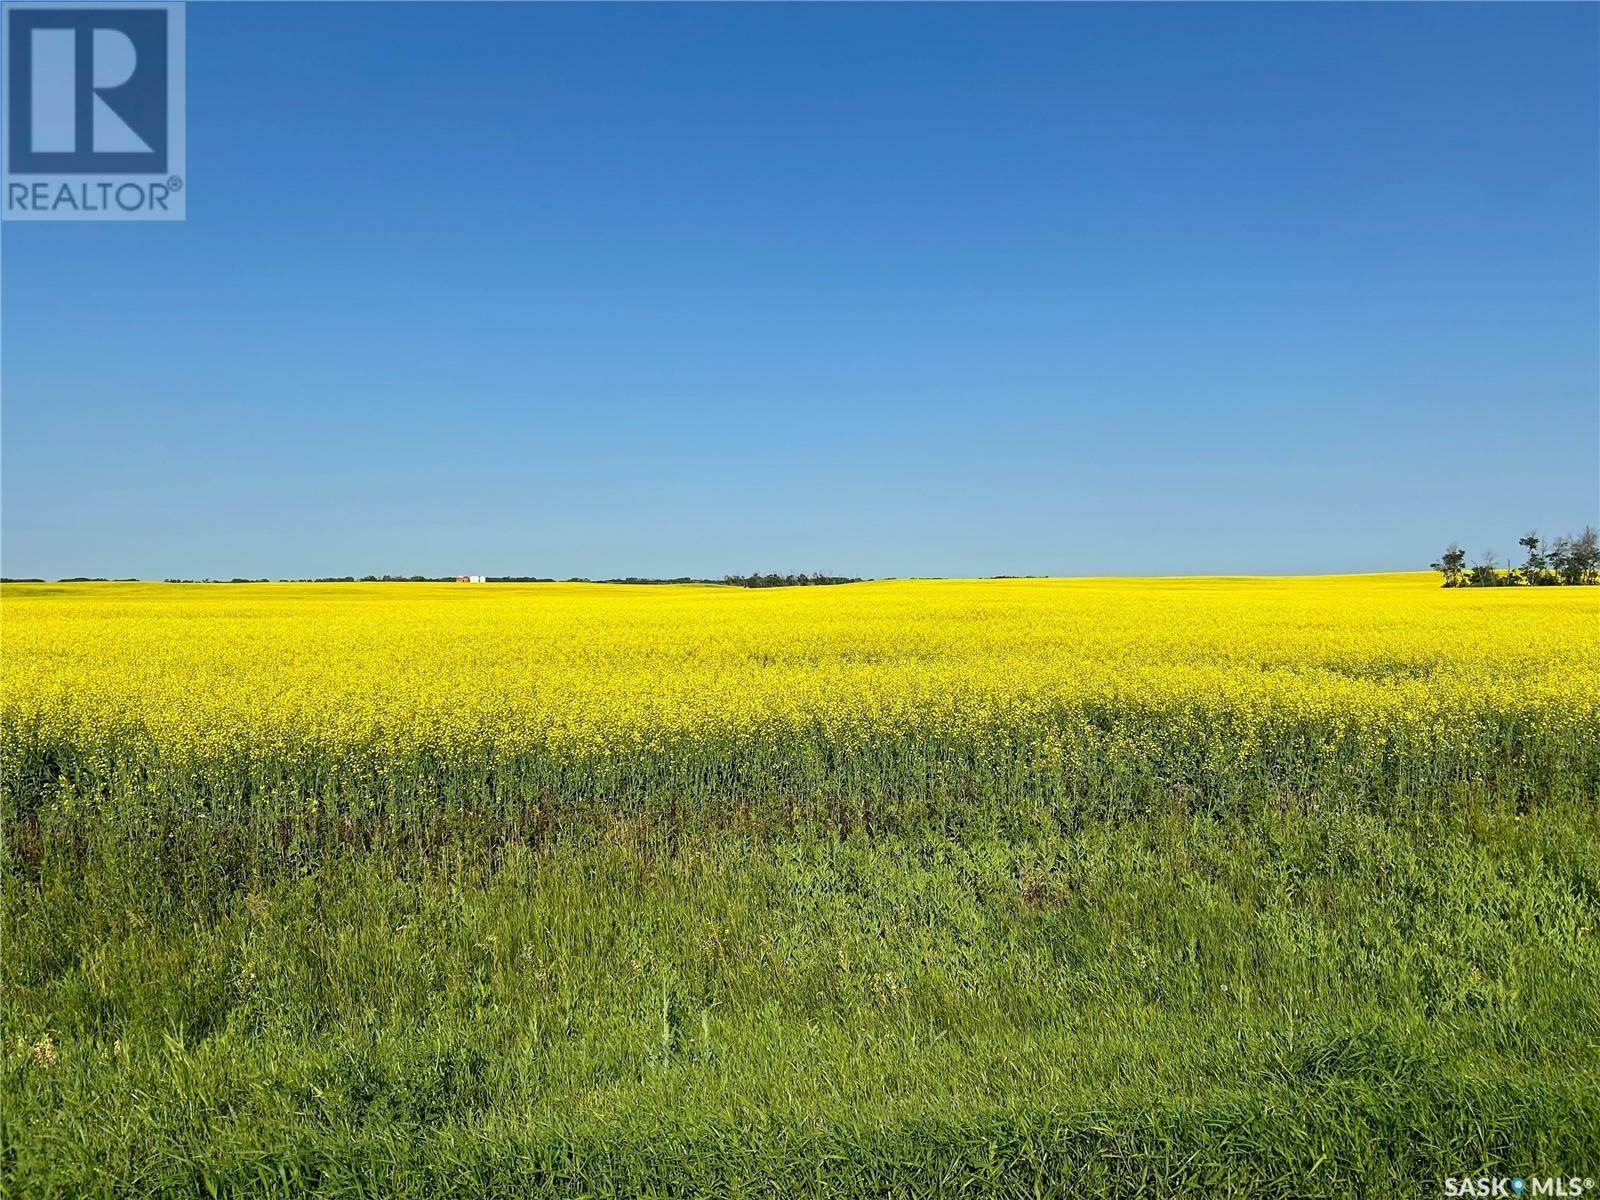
(880, 290)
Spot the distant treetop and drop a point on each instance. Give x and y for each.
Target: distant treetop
(1563, 561)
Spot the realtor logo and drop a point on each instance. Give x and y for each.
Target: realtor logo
(94, 112)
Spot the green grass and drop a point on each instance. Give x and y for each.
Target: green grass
(1281, 998)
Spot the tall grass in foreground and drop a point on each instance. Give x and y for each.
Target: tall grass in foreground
(1282, 1001)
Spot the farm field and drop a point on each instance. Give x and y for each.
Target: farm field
(1269, 886)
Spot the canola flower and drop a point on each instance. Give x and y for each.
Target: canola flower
(332, 700)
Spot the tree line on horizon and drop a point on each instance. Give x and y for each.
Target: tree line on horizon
(1563, 561)
(757, 580)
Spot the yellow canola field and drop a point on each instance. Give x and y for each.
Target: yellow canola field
(997, 685)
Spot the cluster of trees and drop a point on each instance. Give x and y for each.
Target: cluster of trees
(1572, 561)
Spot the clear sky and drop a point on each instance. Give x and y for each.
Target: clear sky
(878, 290)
